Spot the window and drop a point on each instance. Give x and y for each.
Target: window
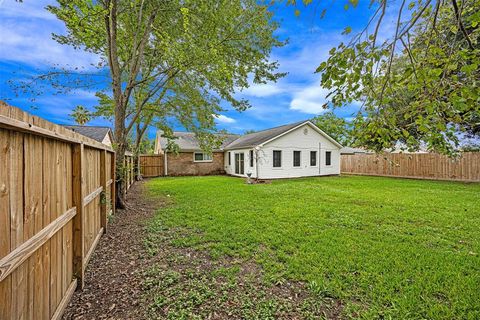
(251, 158)
(202, 157)
(296, 158)
(313, 158)
(328, 158)
(277, 158)
(229, 158)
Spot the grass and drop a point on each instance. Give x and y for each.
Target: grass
(386, 248)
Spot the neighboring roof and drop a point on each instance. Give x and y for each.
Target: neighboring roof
(349, 150)
(96, 133)
(256, 138)
(187, 141)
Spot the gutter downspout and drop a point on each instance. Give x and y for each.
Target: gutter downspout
(319, 158)
(257, 149)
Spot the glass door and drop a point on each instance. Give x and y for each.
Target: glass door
(239, 163)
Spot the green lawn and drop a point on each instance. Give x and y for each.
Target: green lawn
(391, 248)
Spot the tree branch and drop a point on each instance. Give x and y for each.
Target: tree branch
(460, 24)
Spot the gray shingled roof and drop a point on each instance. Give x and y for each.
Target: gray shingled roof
(187, 141)
(96, 133)
(259, 137)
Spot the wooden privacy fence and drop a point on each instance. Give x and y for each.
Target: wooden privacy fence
(414, 165)
(151, 165)
(56, 190)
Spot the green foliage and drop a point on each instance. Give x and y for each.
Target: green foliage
(175, 59)
(147, 146)
(386, 248)
(81, 115)
(418, 88)
(336, 127)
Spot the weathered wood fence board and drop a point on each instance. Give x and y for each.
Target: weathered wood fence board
(151, 165)
(414, 165)
(53, 187)
(129, 169)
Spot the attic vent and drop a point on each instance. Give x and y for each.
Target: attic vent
(305, 131)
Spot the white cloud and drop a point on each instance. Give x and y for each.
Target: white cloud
(263, 90)
(84, 94)
(310, 100)
(224, 119)
(305, 54)
(25, 37)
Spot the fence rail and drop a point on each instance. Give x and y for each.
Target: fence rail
(418, 165)
(56, 190)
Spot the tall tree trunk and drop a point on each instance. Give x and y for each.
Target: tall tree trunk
(120, 99)
(121, 147)
(138, 141)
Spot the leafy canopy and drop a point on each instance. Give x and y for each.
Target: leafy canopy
(419, 87)
(336, 127)
(195, 54)
(81, 115)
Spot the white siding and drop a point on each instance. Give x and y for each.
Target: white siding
(107, 141)
(230, 169)
(296, 140)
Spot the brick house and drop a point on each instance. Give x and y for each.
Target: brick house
(191, 160)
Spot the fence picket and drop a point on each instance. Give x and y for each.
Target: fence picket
(43, 182)
(420, 166)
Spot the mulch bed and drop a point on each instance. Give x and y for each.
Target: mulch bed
(113, 278)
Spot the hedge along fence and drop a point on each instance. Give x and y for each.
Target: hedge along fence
(414, 165)
(56, 190)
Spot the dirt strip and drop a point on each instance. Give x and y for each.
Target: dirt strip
(113, 284)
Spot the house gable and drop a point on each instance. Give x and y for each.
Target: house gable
(328, 141)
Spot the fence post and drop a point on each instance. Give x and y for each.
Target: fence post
(113, 192)
(131, 171)
(78, 221)
(103, 183)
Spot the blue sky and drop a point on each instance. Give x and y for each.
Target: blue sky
(26, 46)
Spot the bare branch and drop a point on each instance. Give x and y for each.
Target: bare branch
(458, 16)
(392, 53)
(410, 56)
(379, 22)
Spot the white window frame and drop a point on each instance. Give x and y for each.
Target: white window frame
(203, 157)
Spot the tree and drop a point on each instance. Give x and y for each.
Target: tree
(208, 47)
(418, 87)
(81, 115)
(336, 127)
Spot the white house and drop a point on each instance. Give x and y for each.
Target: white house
(295, 150)
(299, 149)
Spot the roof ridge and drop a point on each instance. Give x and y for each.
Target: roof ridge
(283, 125)
(80, 126)
(190, 132)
